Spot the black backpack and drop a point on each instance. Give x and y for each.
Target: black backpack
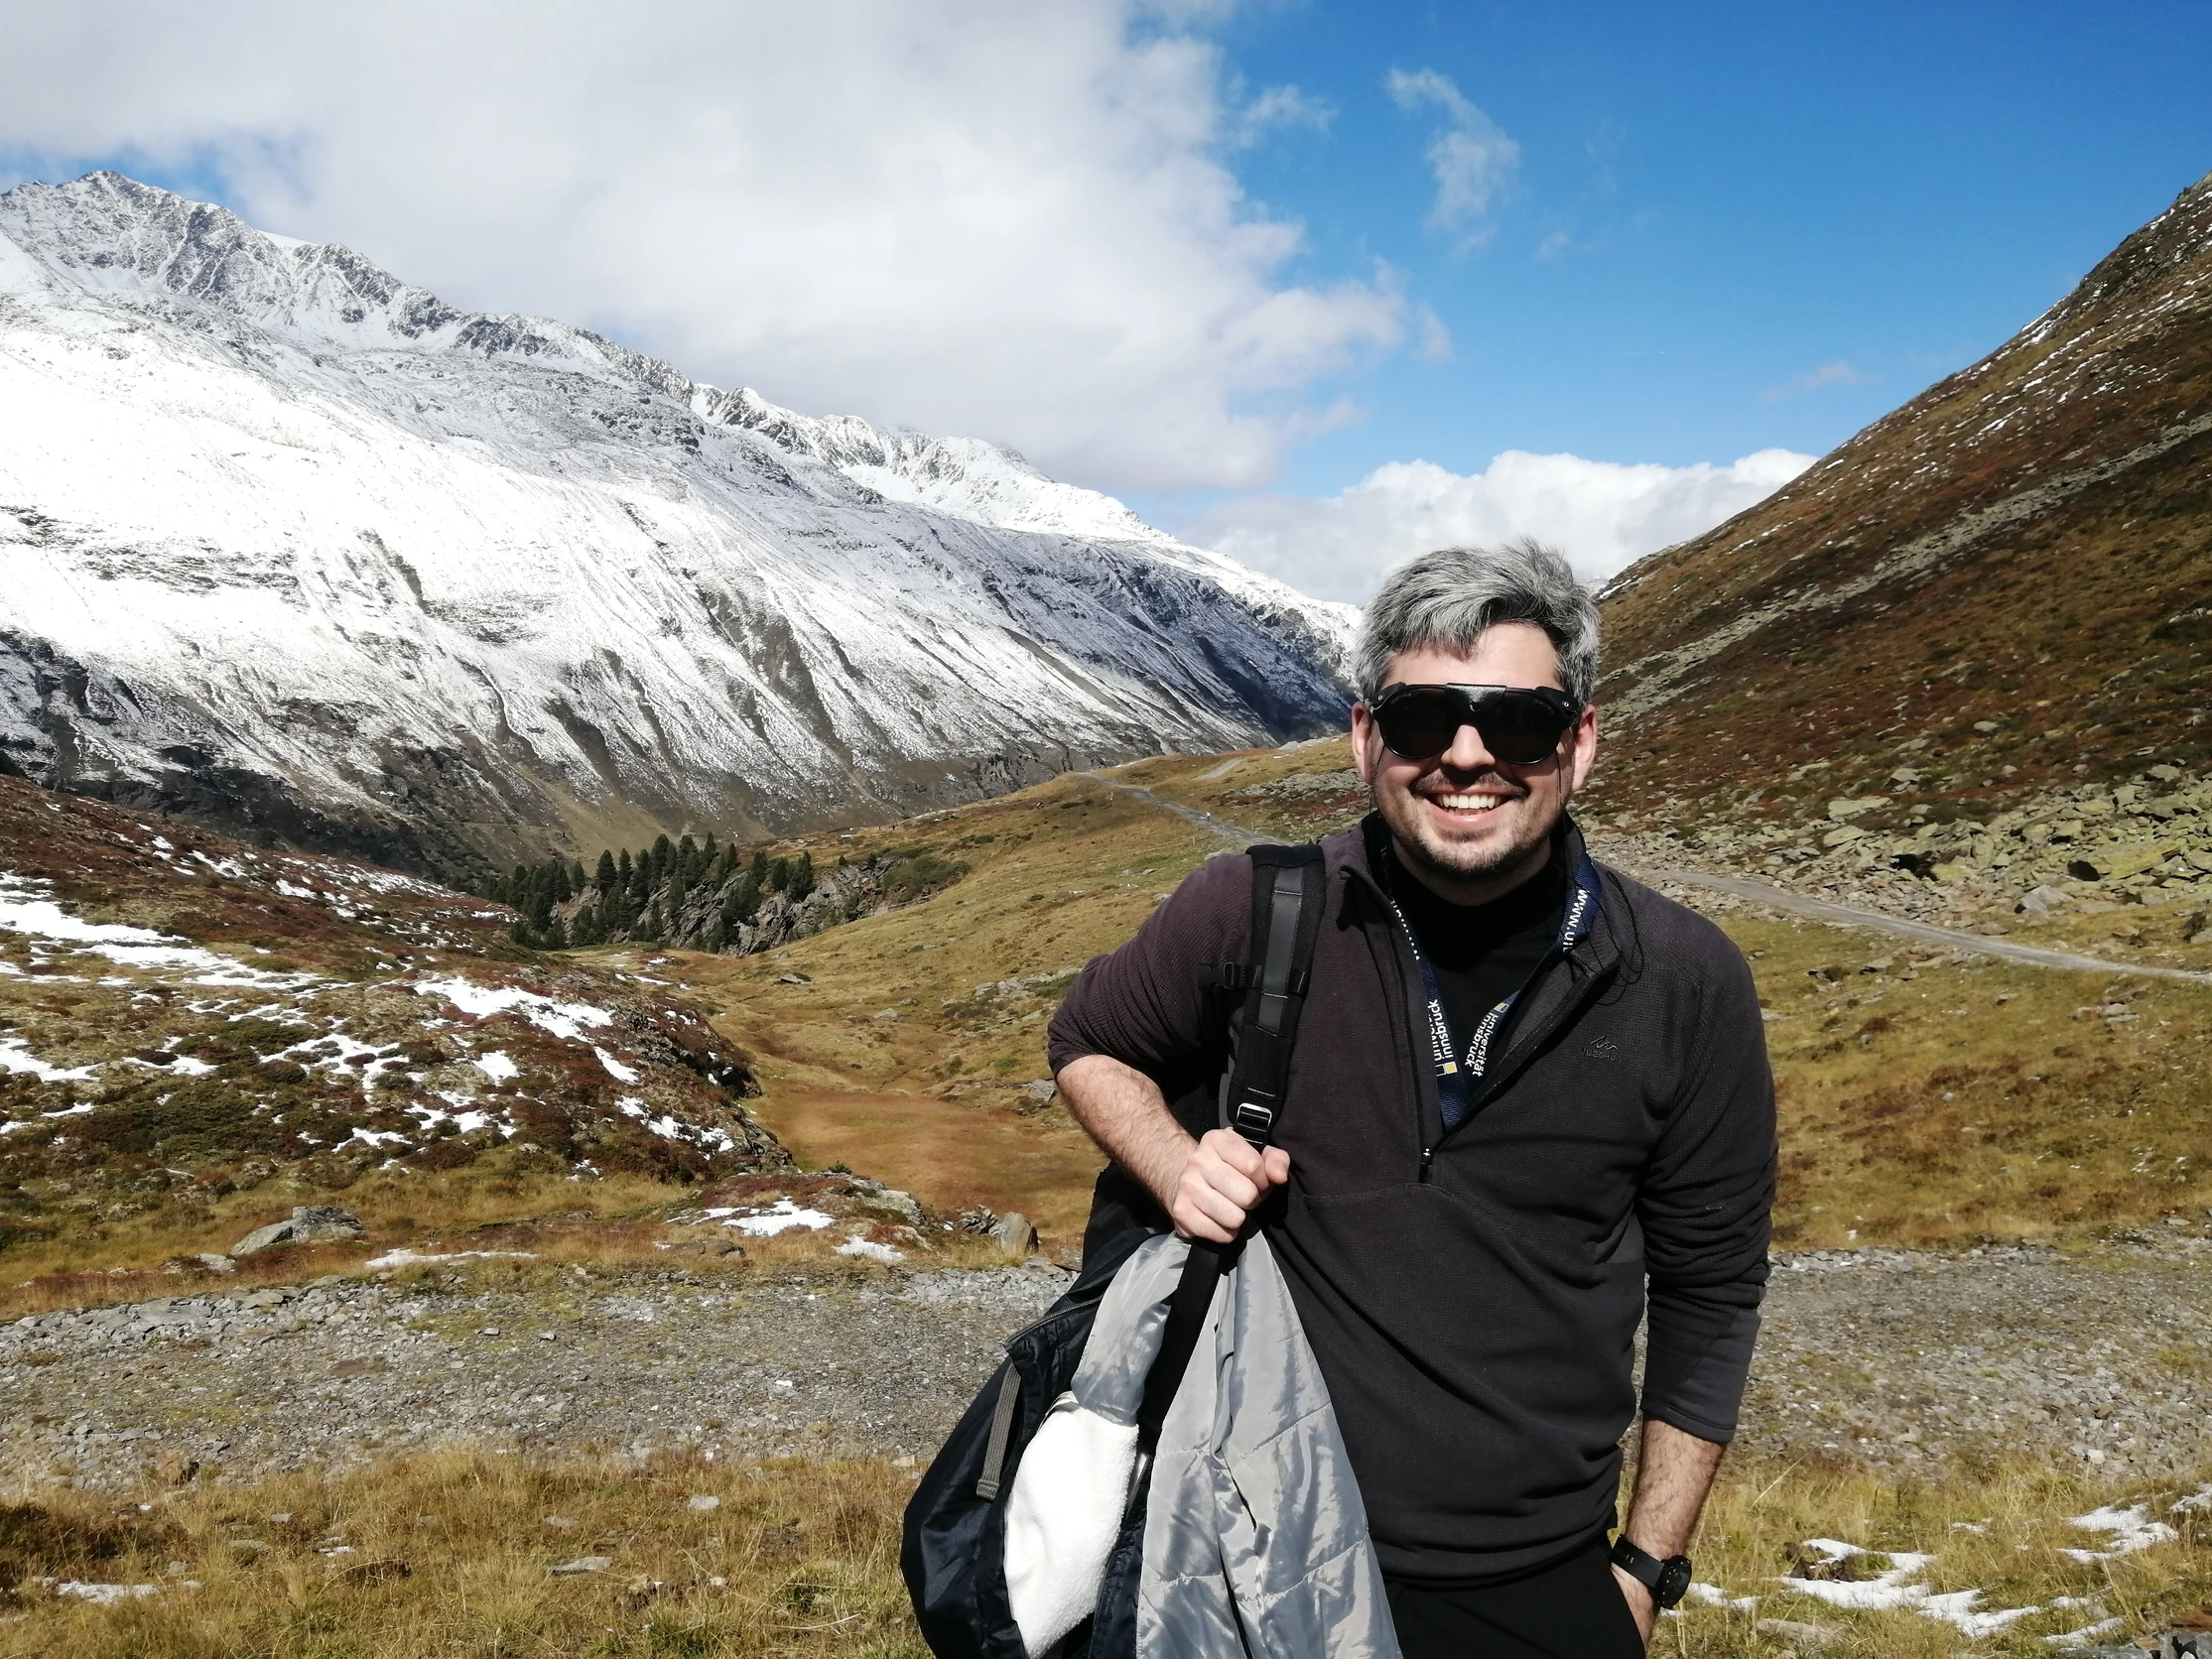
(955, 1529)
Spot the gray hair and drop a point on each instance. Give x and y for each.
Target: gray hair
(1449, 598)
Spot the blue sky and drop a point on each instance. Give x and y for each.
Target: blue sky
(1714, 202)
(1244, 265)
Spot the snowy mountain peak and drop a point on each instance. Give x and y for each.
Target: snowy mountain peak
(291, 541)
(105, 234)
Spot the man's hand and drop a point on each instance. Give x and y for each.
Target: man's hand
(1208, 1186)
(1222, 1180)
(1639, 1602)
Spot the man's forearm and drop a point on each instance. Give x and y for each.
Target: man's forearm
(1675, 1472)
(1124, 1111)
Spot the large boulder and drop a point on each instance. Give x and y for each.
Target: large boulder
(308, 1223)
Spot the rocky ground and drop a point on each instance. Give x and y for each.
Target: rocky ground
(1886, 1357)
(2092, 847)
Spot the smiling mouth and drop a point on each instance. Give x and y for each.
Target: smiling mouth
(1470, 804)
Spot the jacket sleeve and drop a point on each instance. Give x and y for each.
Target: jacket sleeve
(1705, 1209)
(1144, 1004)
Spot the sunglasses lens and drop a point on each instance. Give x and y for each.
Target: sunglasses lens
(1518, 728)
(1418, 724)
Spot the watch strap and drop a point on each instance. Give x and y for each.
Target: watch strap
(1665, 1580)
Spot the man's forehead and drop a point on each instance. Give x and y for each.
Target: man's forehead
(1505, 654)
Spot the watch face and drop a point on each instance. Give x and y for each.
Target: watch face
(1675, 1581)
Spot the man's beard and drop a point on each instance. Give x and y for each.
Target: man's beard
(1463, 861)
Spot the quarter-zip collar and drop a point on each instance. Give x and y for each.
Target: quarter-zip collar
(1579, 961)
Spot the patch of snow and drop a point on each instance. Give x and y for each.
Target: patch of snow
(2081, 1637)
(409, 1258)
(2126, 1530)
(614, 1067)
(16, 1056)
(106, 1595)
(1713, 1595)
(780, 1217)
(857, 1245)
(563, 1019)
(497, 1066)
(1889, 1590)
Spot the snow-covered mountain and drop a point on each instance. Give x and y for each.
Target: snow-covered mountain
(290, 544)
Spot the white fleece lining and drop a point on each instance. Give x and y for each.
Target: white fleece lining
(1061, 1518)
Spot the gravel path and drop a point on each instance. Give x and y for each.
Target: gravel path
(1229, 832)
(1888, 1356)
(1852, 916)
(1767, 893)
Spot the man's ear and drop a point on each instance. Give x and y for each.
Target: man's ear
(1362, 723)
(1586, 745)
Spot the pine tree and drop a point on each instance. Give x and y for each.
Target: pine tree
(760, 867)
(603, 878)
(742, 902)
(779, 875)
(802, 878)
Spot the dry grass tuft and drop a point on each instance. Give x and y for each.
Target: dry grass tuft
(455, 1554)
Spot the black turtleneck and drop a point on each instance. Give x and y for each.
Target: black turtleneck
(1481, 954)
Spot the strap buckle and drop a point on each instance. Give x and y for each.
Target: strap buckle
(1256, 1122)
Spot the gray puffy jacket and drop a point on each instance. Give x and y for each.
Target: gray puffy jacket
(1255, 1540)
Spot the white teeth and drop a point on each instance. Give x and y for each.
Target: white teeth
(1469, 803)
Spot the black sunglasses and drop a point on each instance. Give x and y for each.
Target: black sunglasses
(1519, 724)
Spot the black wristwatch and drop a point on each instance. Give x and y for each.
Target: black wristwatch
(1667, 1580)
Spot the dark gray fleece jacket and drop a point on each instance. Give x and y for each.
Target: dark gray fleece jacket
(1472, 1298)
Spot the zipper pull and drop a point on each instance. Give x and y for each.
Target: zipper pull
(1428, 1157)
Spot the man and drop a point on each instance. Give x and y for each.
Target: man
(1525, 1091)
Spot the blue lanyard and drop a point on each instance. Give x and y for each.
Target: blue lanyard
(1457, 1075)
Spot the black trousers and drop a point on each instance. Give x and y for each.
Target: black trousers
(1571, 1609)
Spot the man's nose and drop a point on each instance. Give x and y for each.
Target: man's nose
(1467, 754)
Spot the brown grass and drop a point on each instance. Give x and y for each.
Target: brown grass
(1927, 1098)
(450, 1553)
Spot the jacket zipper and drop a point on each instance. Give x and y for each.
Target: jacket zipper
(1426, 1172)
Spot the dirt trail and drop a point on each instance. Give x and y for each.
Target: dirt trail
(1851, 915)
(1781, 898)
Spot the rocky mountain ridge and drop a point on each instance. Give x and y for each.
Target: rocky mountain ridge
(298, 547)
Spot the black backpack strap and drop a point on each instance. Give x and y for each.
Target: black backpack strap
(1287, 895)
(1287, 901)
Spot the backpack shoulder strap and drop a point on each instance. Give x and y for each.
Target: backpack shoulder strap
(1287, 901)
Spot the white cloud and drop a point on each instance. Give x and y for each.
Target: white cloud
(1812, 380)
(1602, 515)
(1472, 157)
(1281, 110)
(976, 217)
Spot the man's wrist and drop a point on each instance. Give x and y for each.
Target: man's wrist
(1664, 1579)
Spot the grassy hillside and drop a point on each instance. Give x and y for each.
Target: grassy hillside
(1927, 1095)
(1996, 591)
(196, 1035)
